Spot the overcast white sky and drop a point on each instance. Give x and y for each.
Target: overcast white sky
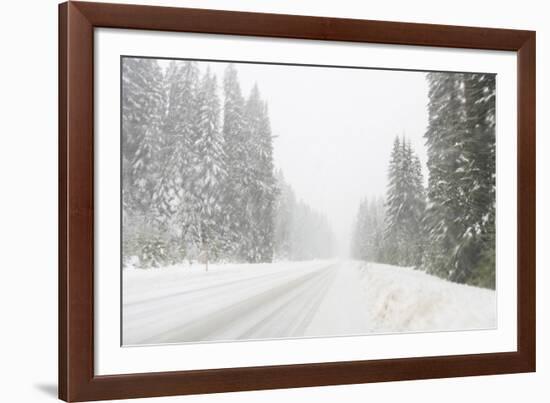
(335, 128)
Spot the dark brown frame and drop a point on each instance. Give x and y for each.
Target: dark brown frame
(77, 381)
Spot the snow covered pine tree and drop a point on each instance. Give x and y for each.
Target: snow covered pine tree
(208, 170)
(461, 162)
(405, 205)
(173, 195)
(236, 163)
(142, 114)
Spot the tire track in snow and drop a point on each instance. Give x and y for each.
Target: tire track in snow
(296, 320)
(140, 321)
(206, 328)
(210, 289)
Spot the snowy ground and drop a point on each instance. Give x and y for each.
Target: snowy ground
(294, 299)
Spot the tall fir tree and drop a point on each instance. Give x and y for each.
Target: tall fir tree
(461, 160)
(174, 194)
(267, 188)
(208, 170)
(258, 181)
(234, 135)
(143, 103)
(394, 205)
(444, 139)
(143, 107)
(415, 204)
(479, 237)
(405, 205)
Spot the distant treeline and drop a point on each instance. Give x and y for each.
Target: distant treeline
(301, 233)
(447, 229)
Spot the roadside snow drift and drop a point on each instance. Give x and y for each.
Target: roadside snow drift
(406, 300)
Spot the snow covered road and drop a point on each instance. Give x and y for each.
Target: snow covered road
(294, 299)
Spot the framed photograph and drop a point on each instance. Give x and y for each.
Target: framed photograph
(256, 201)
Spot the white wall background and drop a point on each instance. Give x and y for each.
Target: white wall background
(28, 199)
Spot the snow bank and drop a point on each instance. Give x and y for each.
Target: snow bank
(402, 299)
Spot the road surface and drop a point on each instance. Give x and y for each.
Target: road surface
(293, 299)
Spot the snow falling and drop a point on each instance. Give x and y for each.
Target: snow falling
(269, 201)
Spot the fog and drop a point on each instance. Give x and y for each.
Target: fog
(334, 129)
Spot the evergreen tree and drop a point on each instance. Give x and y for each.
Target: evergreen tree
(235, 162)
(444, 139)
(461, 160)
(259, 187)
(360, 248)
(479, 237)
(368, 233)
(394, 205)
(267, 188)
(174, 194)
(415, 203)
(209, 170)
(405, 205)
(375, 230)
(284, 215)
(143, 105)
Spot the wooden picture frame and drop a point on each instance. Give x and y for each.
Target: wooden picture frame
(77, 380)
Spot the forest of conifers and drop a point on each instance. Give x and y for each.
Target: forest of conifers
(198, 179)
(199, 182)
(448, 228)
